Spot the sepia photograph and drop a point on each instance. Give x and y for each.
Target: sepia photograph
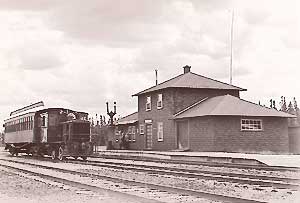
(143, 101)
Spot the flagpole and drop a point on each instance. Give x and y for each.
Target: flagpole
(231, 45)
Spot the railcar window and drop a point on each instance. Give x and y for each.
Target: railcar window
(43, 121)
(30, 123)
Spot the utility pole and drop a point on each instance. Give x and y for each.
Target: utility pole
(231, 47)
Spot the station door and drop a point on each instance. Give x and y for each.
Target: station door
(182, 135)
(148, 136)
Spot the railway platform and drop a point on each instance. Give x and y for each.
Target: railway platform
(286, 160)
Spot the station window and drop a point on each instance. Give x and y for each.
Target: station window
(251, 125)
(131, 132)
(148, 103)
(27, 123)
(142, 129)
(159, 101)
(160, 131)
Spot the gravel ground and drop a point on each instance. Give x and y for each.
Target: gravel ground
(144, 192)
(35, 191)
(15, 189)
(268, 194)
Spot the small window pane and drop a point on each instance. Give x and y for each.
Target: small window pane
(251, 124)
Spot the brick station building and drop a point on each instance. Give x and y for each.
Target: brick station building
(193, 112)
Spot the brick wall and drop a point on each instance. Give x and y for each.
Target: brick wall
(174, 100)
(294, 139)
(201, 137)
(157, 115)
(229, 137)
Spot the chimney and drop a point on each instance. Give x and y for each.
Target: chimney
(186, 69)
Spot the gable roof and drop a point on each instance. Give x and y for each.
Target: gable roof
(228, 105)
(129, 119)
(191, 80)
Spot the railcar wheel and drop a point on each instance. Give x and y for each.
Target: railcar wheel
(60, 153)
(75, 157)
(53, 154)
(84, 158)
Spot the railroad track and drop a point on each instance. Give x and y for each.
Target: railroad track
(249, 179)
(134, 187)
(264, 181)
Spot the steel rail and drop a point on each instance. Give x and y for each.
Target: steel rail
(177, 190)
(265, 181)
(289, 183)
(82, 185)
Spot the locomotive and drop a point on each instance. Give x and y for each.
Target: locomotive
(57, 132)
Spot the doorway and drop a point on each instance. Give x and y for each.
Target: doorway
(182, 135)
(148, 136)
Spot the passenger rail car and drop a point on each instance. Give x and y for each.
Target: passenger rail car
(57, 132)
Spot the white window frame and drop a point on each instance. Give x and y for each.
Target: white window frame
(148, 103)
(44, 116)
(251, 124)
(142, 129)
(159, 101)
(160, 131)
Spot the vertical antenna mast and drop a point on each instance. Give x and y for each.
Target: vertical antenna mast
(231, 49)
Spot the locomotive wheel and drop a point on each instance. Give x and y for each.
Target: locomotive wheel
(60, 153)
(53, 154)
(11, 152)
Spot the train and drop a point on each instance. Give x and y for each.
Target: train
(56, 132)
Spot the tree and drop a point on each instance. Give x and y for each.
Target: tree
(283, 104)
(271, 103)
(290, 108)
(274, 105)
(1, 138)
(295, 104)
(296, 110)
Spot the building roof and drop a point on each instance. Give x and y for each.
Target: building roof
(228, 105)
(129, 119)
(32, 109)
(191, 80)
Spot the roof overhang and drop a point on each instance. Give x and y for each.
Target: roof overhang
(126, 122)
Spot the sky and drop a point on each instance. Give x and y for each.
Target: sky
(81, 54)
